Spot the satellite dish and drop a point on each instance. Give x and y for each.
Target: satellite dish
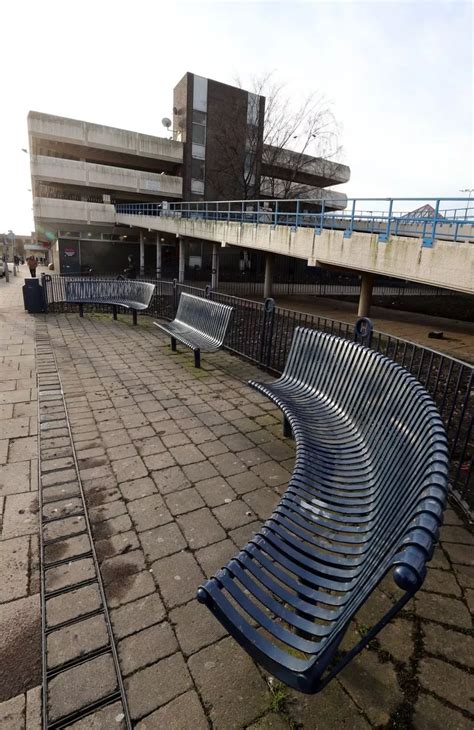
(166, 122)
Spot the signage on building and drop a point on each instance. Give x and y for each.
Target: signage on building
(152, 185)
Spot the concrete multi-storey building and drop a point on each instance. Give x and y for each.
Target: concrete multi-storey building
(215, 151)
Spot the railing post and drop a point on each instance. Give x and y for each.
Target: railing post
(363, 330)
(44, 279)
(275, 219)
(319, 230)
(385, 236)
(428, 242)
(175, 296)
(258, 212)
(267, 327)
(456, 230)
(348, 231)
(270, 305)
(297, 214)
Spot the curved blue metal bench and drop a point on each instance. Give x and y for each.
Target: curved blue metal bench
(126, 293)
(365, 499)
(200, 324)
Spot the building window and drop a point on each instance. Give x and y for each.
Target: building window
(199, 134)
(200, 93)
(199, 117)
(197, 169)
(199, 127)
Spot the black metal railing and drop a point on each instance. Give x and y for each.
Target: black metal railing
(262, 333)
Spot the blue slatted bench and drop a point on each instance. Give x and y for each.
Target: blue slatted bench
(126, 293)
(365, 500)
(199, 324)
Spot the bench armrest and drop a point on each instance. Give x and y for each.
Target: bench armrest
(416, 549)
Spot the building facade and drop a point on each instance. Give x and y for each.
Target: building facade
(215, 151)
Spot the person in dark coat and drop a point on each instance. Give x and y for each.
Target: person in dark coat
(131, 270)
(32, 262)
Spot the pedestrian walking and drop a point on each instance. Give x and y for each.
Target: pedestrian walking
(131, 271)
(32, 264)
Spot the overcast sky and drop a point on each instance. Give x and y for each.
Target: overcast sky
(399, 77)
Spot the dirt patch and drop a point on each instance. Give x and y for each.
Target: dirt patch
(93, 462)
(97, 496)
(119, 578)
(20, 648)
(56, 550)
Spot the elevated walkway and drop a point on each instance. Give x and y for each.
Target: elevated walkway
(435, 251)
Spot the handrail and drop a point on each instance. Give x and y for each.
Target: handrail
(431, 219)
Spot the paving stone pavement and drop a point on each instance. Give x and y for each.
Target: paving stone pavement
(20, 624)
(180, 467)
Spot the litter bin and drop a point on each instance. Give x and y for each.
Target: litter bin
(33, 296)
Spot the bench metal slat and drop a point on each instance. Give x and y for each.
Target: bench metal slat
(251, 608)
(293, 599)
(278, 609)
(256, 550)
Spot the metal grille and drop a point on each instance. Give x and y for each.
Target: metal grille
(65, 522)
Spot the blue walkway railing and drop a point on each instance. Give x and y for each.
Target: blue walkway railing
(450, 219)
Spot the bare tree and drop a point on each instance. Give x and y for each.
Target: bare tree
(286, 157)
(300, 141)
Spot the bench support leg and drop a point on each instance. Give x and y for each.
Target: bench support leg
(114, 311)
(173, 344)
(134, 315)
(197, 358)
(371, 634)
(287, 432)
(81, 310)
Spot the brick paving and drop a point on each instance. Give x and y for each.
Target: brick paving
(458, 340)
(180, 467)
(20, 633)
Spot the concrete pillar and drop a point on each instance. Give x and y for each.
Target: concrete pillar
(181, 260)
(158, 256)
(268, 283)
(365, 298)
(142, 253)
(215, 266)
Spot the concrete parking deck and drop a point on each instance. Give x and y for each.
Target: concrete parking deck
(179, 468)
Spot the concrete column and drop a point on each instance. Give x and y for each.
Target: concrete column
(181, 260)
(268, 283)
(215, 266)
(158, 256)
(142, 253)
(365, 298)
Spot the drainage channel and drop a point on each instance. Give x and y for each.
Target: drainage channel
(81, 671)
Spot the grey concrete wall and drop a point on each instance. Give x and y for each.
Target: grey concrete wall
(75, 131)
(74, 172)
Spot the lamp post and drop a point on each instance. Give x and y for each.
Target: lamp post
(470, 191)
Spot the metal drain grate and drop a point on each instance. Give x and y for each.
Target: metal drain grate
(81, 671)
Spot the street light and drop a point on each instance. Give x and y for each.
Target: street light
(470, 191)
